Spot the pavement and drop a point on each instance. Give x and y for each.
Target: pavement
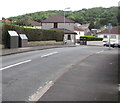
(92, 79)
(4, 52)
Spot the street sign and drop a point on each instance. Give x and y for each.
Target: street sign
(109, 27)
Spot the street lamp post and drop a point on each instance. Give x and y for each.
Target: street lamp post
(64, 15)
(64, 18)
(109, 27)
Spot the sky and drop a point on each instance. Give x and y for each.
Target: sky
(10, 8)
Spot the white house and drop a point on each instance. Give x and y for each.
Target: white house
(58, 21)
(86, 29)
(80, 32)
(114, 34)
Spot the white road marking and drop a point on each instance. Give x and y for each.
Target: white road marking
(40, 92)
(14, 65)
(48, 54)
(99, 52)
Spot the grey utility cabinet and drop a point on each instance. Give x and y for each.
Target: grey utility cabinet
(83, 41)
(23, 40)
(13, 39)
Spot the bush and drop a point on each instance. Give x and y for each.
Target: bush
(92, 38)
(32, 34)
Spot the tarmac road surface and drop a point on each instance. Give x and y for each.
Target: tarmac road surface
(26, 76)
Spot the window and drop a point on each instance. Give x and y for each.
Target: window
(113, 36)
(55, 25)
(69, 37)
(105, 36)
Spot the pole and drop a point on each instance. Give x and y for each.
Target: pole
(109, 39)
(64, 19)
(64, 23)
(109, 28)
(64, 27)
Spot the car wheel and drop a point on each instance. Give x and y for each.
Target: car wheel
(113, 46)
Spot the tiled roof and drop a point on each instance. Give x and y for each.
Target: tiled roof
(78, 29)
(34, 23)
(5, 20)
(85, 25)
(115, 30)
(57, 18)
(66, 31)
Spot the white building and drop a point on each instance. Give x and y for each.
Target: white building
(80, 32)
(114, 34)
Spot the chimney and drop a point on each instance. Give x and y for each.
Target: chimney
(3, 18)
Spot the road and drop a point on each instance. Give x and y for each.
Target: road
(27, 76)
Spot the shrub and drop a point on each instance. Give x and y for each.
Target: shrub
(32, 34)
(92, 38)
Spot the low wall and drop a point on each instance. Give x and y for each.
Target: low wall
(99, 43)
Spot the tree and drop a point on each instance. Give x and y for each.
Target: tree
(22, 23)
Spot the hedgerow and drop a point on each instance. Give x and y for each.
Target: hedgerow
(32, 34)
(92, 38)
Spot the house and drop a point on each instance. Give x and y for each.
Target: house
(95, 32)
(80, 32)
(77, 24)
(114, 34)
(34, 24)
(5, 20)
(58, 21)
(86, 29)
(69, 36)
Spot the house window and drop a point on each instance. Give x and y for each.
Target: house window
(69, 37)
(113, 36)
(55, 25)
(105, 36)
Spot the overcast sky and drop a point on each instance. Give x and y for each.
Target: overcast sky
(10, 8)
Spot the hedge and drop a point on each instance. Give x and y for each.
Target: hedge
(32, 34)
(92, 38)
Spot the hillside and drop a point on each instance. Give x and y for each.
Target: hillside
(98, 16)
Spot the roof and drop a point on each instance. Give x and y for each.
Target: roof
(66, 31)
(115, 30)
(85, 25)
(78, 29)
(5, 20)
(34, 23)
(58, 19)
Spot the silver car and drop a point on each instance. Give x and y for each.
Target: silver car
(116, 44)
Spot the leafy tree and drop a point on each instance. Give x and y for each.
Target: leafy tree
(22, 23)
(99, 15)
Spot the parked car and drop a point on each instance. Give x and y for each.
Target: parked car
(106, 43)
(116, 44)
